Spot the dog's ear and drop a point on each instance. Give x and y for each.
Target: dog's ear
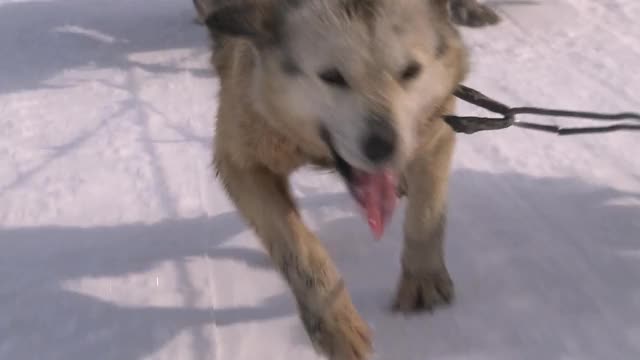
(257, 21)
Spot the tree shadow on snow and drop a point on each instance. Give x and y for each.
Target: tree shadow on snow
(48, 37)
(539, 263)
(41, 316)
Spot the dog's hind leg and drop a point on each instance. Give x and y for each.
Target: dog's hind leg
(472, 13)
(325, 307)
(425, 282)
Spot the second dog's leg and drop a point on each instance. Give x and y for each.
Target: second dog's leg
(472, 13)
(325, 307)
(425, 281)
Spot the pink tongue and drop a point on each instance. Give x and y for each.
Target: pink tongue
(376, 193)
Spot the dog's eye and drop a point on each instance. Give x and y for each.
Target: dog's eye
(411, 71)
(333, 77)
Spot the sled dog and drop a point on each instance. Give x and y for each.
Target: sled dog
(358, 86)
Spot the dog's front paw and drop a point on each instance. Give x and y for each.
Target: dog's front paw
(341, 334)
(473, 14)
(423, 292)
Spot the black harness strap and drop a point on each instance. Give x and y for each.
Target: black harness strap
(472, 124)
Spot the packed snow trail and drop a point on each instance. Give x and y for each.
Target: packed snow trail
(116, 241)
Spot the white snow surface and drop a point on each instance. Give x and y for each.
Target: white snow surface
(117, 242)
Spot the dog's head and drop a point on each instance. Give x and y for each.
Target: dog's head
(357, 75)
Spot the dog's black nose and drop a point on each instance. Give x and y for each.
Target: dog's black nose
(380, 142)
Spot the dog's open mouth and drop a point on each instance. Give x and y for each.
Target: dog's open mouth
(374, 191)
(376, 195)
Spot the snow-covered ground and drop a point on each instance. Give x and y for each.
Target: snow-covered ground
(116, 242)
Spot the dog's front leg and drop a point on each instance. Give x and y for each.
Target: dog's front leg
(324, 306)
(425, 281)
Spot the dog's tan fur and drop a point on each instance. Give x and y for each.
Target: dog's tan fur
(262, 136)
